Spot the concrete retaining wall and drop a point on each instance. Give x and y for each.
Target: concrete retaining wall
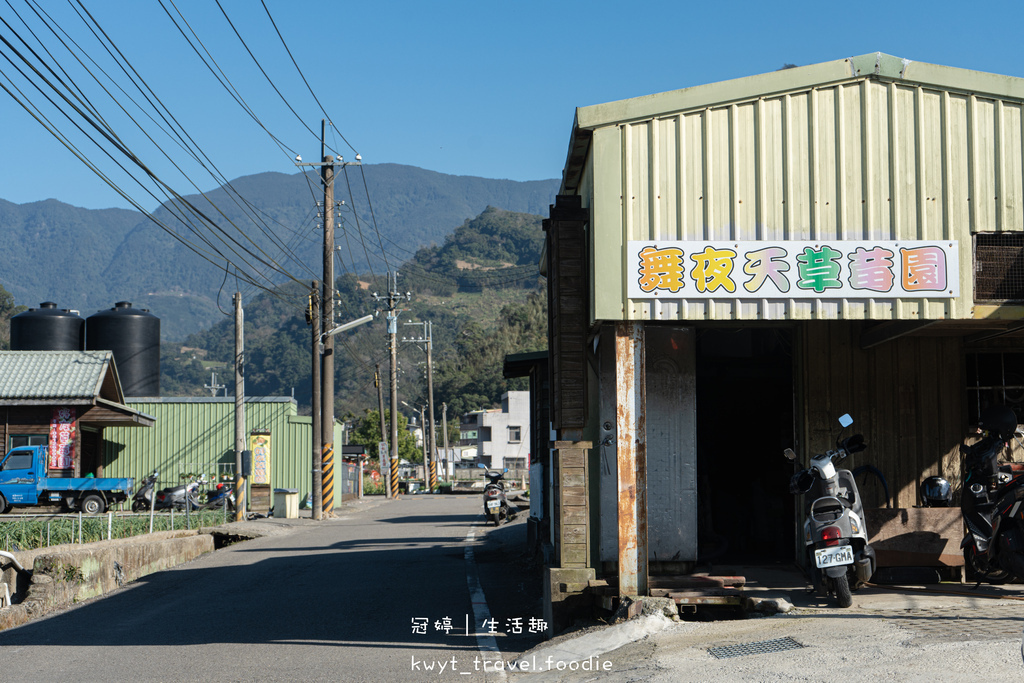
(66, 574)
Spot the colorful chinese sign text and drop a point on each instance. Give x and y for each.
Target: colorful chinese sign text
(793, 270)
(62, 438)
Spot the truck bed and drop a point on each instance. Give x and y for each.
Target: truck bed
(88, 484)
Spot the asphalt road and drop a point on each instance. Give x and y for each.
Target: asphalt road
(336, 600)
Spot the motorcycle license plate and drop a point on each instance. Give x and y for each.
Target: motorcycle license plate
(831, 557)
(491, 504)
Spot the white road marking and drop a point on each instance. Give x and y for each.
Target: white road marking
(487, 643)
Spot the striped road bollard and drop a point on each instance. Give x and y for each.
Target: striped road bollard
(327, 479)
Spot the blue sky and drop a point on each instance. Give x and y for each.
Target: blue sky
(467, 88)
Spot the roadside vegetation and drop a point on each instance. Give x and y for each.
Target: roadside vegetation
(29, 532)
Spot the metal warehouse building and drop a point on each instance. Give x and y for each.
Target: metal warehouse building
(196, 435)
(733, 266)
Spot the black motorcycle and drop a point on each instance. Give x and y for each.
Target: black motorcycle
(143, 498)
(990, 502)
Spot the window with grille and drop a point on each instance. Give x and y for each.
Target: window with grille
(999, 267)
(994, 379)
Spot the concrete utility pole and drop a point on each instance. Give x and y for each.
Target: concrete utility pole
(423, 432)
(239, 408)
(326, 469)
(392, 298)
(444, 434)
(385, 471)
(326, 323)
(430, 472)
(213, 386)
(314, 320)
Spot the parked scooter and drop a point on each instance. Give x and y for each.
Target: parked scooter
(174, 497)
(990, 502)
(143, 498)
(495, 502)
(221, 494)
(835, 536)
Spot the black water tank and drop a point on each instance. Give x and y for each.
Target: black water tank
(134, 337)
(47, 328)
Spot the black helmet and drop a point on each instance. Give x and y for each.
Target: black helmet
(936, 492)
(1000, 420)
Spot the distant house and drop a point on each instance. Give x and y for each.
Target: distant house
(501, 436)
(64, 400)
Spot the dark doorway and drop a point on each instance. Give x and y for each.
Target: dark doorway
(744, 422)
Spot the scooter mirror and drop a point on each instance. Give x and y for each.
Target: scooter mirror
(790, 454)
(846, 420)
(504, 470)
(481, 466)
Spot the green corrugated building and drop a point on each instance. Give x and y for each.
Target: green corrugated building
(196, 435)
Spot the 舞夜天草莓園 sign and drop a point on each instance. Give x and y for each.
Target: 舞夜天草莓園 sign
(838, 269)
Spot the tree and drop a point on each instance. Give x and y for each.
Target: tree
(468, 376)
(367, 433)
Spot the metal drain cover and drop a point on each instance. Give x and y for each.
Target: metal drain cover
(758, 648)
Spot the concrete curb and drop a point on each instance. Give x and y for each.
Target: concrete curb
(68, 574)
(583, 653)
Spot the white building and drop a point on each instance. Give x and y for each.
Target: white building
(501, 436)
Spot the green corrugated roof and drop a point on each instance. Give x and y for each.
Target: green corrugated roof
(53, 374)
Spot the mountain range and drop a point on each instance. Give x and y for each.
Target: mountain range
(265, 226)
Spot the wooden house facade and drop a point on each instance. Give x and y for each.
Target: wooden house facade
(63, 400)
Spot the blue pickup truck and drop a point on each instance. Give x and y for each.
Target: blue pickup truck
(23, 481)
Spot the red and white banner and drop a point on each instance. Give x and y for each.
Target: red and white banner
(63, 425)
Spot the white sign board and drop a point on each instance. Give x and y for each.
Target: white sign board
(837, 269)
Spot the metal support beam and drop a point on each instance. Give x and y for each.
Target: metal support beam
(992, 334)
(631, 430)
(891, 330)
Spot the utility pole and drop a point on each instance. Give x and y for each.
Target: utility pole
(385, 472)
(326, 468)
(239, 409)
(213, 386)
(326, 323)
(444, 434)
(423, 433)
(427, 340)
(392, 298)
(314, 320)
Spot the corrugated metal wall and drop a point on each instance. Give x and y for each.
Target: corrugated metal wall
(202, 431)
(864, 159)
(906, 397)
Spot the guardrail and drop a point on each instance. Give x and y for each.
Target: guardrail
(31, 531)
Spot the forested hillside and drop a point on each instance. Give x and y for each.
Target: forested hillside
(265, 224)
(476, 322)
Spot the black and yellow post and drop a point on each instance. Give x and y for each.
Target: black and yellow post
(327, 479)
(433, 473)
(394, 477)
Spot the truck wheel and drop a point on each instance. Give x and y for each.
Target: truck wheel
(92, 505)
(4, 507)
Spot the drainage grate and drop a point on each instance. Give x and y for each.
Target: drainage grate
(759, 648)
